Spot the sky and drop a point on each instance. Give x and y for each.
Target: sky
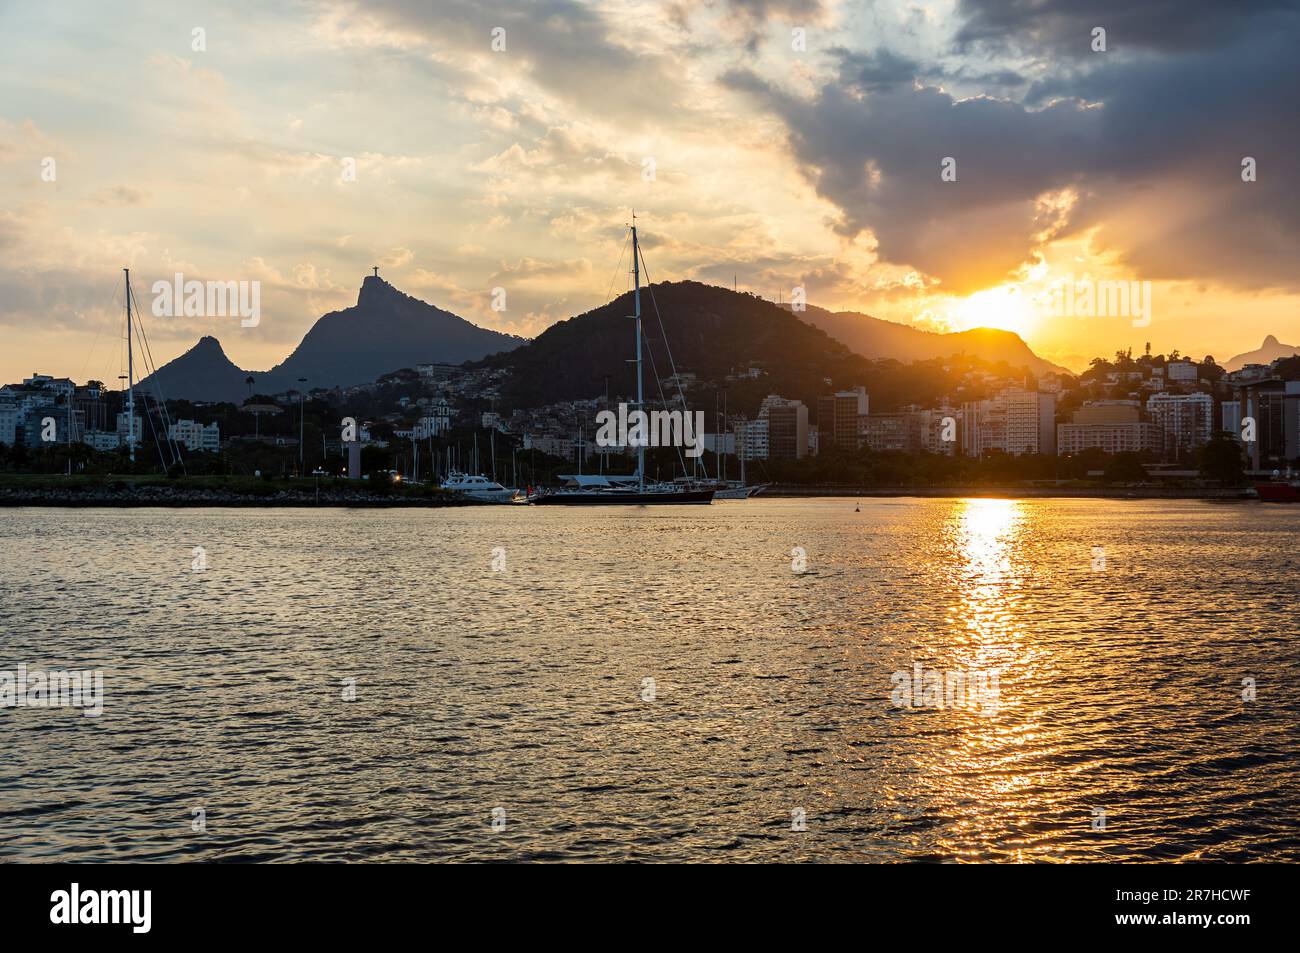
(945, 165)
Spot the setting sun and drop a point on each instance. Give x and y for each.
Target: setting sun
(1006, 307)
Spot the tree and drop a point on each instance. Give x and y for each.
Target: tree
(1124, 468)
(1221, 460)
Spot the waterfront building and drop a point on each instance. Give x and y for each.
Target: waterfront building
(1185, 422)
(985, 427)
(196, 436)
(1013, 421)
(751, 438)
(837, 418)
(787, 428)
(1140, 436)
(938, 424)
(8, 422)
(125, 428)
(899, 432)
(102, 440)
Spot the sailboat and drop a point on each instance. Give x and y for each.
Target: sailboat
(605, 490)
(738, 491)
(157, 416)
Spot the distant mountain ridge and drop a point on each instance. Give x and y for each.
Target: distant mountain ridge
(384, 331)
(1266, 353)
(715, 334)
(713, 331)
(877, 338)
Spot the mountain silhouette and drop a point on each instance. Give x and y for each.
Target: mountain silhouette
(201, 373)
(711, 331)
(874, 337)
(1266, 353)
(384, 331)
(718, 335)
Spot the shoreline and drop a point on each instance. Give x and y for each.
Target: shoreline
(794, 491)
(189, 497)
(293, 499)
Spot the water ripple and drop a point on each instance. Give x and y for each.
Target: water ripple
(656, 684)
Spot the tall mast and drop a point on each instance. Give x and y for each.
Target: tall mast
(130, 373)
(640, 397)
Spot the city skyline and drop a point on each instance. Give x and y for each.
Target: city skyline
(222, 145)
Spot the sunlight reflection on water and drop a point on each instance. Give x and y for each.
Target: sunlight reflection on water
(523, 689)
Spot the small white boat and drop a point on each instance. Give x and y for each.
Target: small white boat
(478, 487)
(594, 489)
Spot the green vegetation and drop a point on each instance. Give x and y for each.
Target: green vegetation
(1220, 460)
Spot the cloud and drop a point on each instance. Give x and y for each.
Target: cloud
(476, 168)
(876, 152)
(1151, 145)
(122, 195)
(750, 19)
(1064, 27)
(570, 50)
(876, 70)
(532, 271)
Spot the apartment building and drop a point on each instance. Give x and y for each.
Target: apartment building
(1013, 421)
(196, 436)
(898, 432)
(787, 430)
(837, 418)
(1185, 422)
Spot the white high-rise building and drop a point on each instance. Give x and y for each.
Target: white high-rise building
(8, 423)
(123, 427)
(1014, 421)
(751, 438)
(935, 425)
(1031, 421)
(1186, 421)
(195, 436)
(984, 427)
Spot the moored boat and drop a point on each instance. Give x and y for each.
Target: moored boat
(1279, 491)
(738, 492)
(479, 488)
(632, 490)
(601, 490)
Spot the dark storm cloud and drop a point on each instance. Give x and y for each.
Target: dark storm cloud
(876, 152)
(1152, 144)
(876, 70)
(1065, 26)
(993, 78)
(882, 68)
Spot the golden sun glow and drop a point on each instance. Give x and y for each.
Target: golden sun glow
(1006, 307)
